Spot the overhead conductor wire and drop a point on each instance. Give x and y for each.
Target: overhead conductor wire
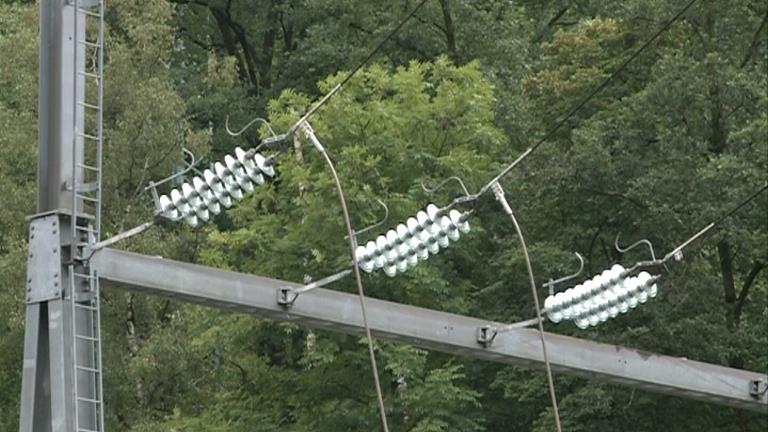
(302, 123)
(580, 105)
(356, 270)
(499, 193)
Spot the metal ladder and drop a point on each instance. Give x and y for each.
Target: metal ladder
(86, 213)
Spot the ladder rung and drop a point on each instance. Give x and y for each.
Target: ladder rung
(87, 198)
(87, 338)
(87, 369)
(88, 167)
(87, 187)
(82, 275)
(90, 75)
(82, 306)
(86, 430)
(89, 43)
(90, 13)
(89, 400)
(85, 229)
(88, 136)
(87, 105)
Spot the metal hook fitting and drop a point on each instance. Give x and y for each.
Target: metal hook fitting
(247, 126)
(190, 166)
(377, 224)
(551, 284)
(633, 245)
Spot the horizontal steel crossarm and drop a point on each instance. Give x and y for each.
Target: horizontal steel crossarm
(430, 329)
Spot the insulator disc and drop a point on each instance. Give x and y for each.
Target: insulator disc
(228, 180)
(265, 169)
(217, 188)
(167, 208)
(237, 169)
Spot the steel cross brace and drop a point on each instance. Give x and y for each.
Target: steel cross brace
(430, 329)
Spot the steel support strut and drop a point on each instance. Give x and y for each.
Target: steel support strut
(431, 329)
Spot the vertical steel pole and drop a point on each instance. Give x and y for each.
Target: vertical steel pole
(47, 397)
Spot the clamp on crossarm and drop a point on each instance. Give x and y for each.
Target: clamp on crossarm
(287, 295)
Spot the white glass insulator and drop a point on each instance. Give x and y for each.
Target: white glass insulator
(433, 246)
(548, 302)
(404, 251)
(459, 220)
(582, 323)
(168, 209)
(616, 271)
(554, 316)
(613, 311)
(593, 319)
(433, 212)
(632, 301)
(393, 249)
(372, 251)
(623, 306)
(390, 270)
(413, 259)
(237, 169)
(180, 203)
(402, 232)
(402, 264)
(559, 302)
(418, 247)
(653, 290)
(264, 168)
(217, 188)
(206, 196)
(643, 277)
(442, 239)
(588, 288)
(449, 228)
(423, 219)
(604, 315)
(367, 266)
(642, 297)
(605, 279)
(228, 180)
(251, 170)
(191, 196)
(381, 248)
(361, 254)
(192, 220)
(578, 294)
(413, 226)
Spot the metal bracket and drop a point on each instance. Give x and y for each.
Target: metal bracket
(758, 389)
(486, 334)
(44, 259)
(286, 296)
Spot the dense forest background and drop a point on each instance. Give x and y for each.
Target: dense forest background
(466, 86)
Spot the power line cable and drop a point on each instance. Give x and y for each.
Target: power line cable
(356, 270)
(581, 104)
(499, 192)
(674, 252)
(354, 71)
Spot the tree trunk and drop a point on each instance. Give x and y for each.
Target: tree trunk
(450, 31)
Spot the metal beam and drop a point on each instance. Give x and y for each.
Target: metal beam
(431, 329)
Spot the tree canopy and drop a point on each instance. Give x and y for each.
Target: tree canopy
(676, 140)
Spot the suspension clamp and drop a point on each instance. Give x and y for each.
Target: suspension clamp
(486, 334)
(286, 296)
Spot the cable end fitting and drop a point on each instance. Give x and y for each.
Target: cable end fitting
(310, 134)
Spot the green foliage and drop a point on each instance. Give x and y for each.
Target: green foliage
(675, 140)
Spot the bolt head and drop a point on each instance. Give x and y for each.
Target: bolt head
(54, 231)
